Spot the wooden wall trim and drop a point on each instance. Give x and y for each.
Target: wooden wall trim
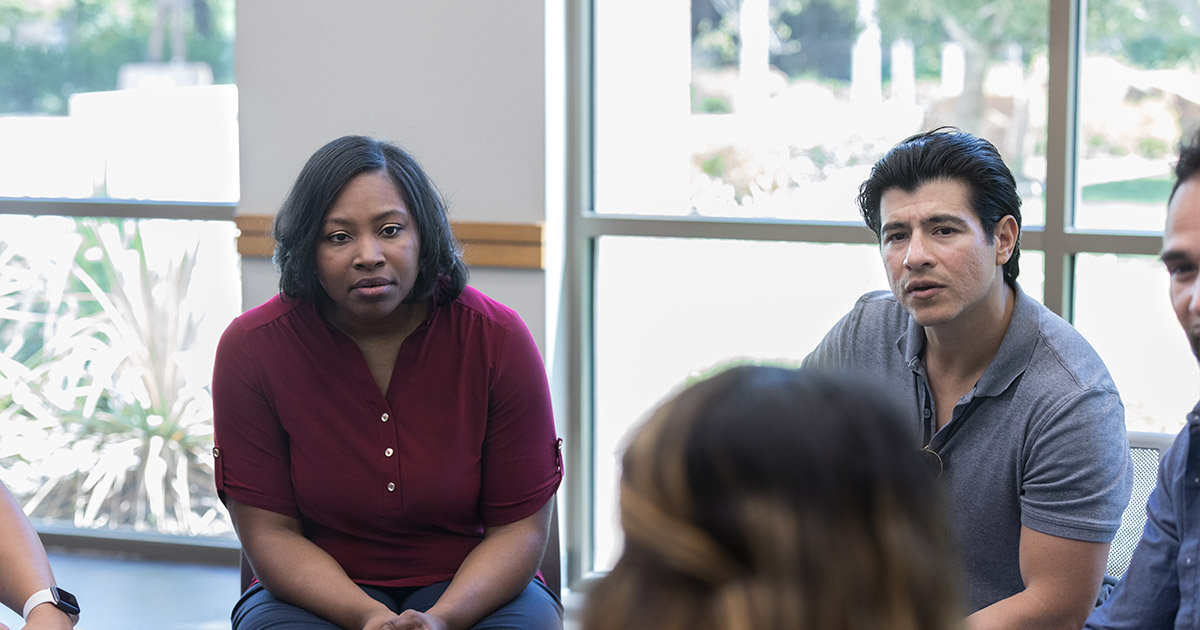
(254, 235)
(509, 245)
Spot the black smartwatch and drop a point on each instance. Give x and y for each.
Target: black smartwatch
(61, 599)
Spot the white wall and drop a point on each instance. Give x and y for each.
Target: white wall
(459, 83)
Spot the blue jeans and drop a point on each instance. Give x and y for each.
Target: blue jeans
(536, 608)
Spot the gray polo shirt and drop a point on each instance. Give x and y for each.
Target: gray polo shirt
(1040, 441)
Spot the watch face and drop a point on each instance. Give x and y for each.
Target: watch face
(65, 601)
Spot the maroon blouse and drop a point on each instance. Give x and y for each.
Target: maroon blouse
(397, 488)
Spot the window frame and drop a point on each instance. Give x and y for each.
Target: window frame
(118, 208)
(149, 545)
(146, 545)
(1058, 239)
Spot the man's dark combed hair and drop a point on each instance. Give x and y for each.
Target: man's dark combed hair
(948, 154)
(1189, 161)
(297, 227)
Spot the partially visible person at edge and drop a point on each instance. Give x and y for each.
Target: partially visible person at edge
(384, 437)
(26, 581)
(1007, 398)
(768, 498)
(1161, 588)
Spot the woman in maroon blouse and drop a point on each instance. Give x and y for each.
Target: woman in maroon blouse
(384, 437)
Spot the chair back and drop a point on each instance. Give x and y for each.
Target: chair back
(1146, 449)
(552, 560)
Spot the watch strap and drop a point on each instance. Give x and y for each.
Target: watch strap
(44, 596)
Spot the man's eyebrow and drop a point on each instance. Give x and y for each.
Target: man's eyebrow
(935, 219)
(1172, 256)
(942, 219)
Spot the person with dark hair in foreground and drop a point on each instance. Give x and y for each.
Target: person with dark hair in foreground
(1161, 588)
(765, 497)
(384, 436)
(26, 581)
(1009, 400)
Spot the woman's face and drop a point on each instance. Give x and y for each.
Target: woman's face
(368, 252)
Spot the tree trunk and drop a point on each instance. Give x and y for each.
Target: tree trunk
(972, 103)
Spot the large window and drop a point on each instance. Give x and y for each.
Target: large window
(118, 148)
(721, 143)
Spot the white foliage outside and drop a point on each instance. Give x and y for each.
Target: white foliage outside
(107, 421)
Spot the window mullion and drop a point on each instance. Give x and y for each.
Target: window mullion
(1061, 125)
(716, 228)
(580, 263)
(131, 209)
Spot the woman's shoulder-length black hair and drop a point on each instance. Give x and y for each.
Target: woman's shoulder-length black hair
(297, 227)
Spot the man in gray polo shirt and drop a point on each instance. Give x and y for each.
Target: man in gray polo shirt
(1014, 408)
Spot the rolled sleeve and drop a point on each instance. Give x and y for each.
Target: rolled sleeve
(1079, 473)
(250, 446)
(522, 460)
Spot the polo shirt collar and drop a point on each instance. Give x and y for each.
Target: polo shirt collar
(1012, 358)
(911, 343)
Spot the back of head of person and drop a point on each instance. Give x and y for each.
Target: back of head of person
(767, 497)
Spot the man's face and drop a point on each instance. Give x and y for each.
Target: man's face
(940, 262)
(1181, 255)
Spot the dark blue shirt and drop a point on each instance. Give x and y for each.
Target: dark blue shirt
(1161, 589)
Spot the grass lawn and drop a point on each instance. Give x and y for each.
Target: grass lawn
(1145, 189)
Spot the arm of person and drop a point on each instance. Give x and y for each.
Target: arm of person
(521, 462)
(26, 569)
(297, 571)
(494, 573)
(1062, 577)
(1076, 483)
